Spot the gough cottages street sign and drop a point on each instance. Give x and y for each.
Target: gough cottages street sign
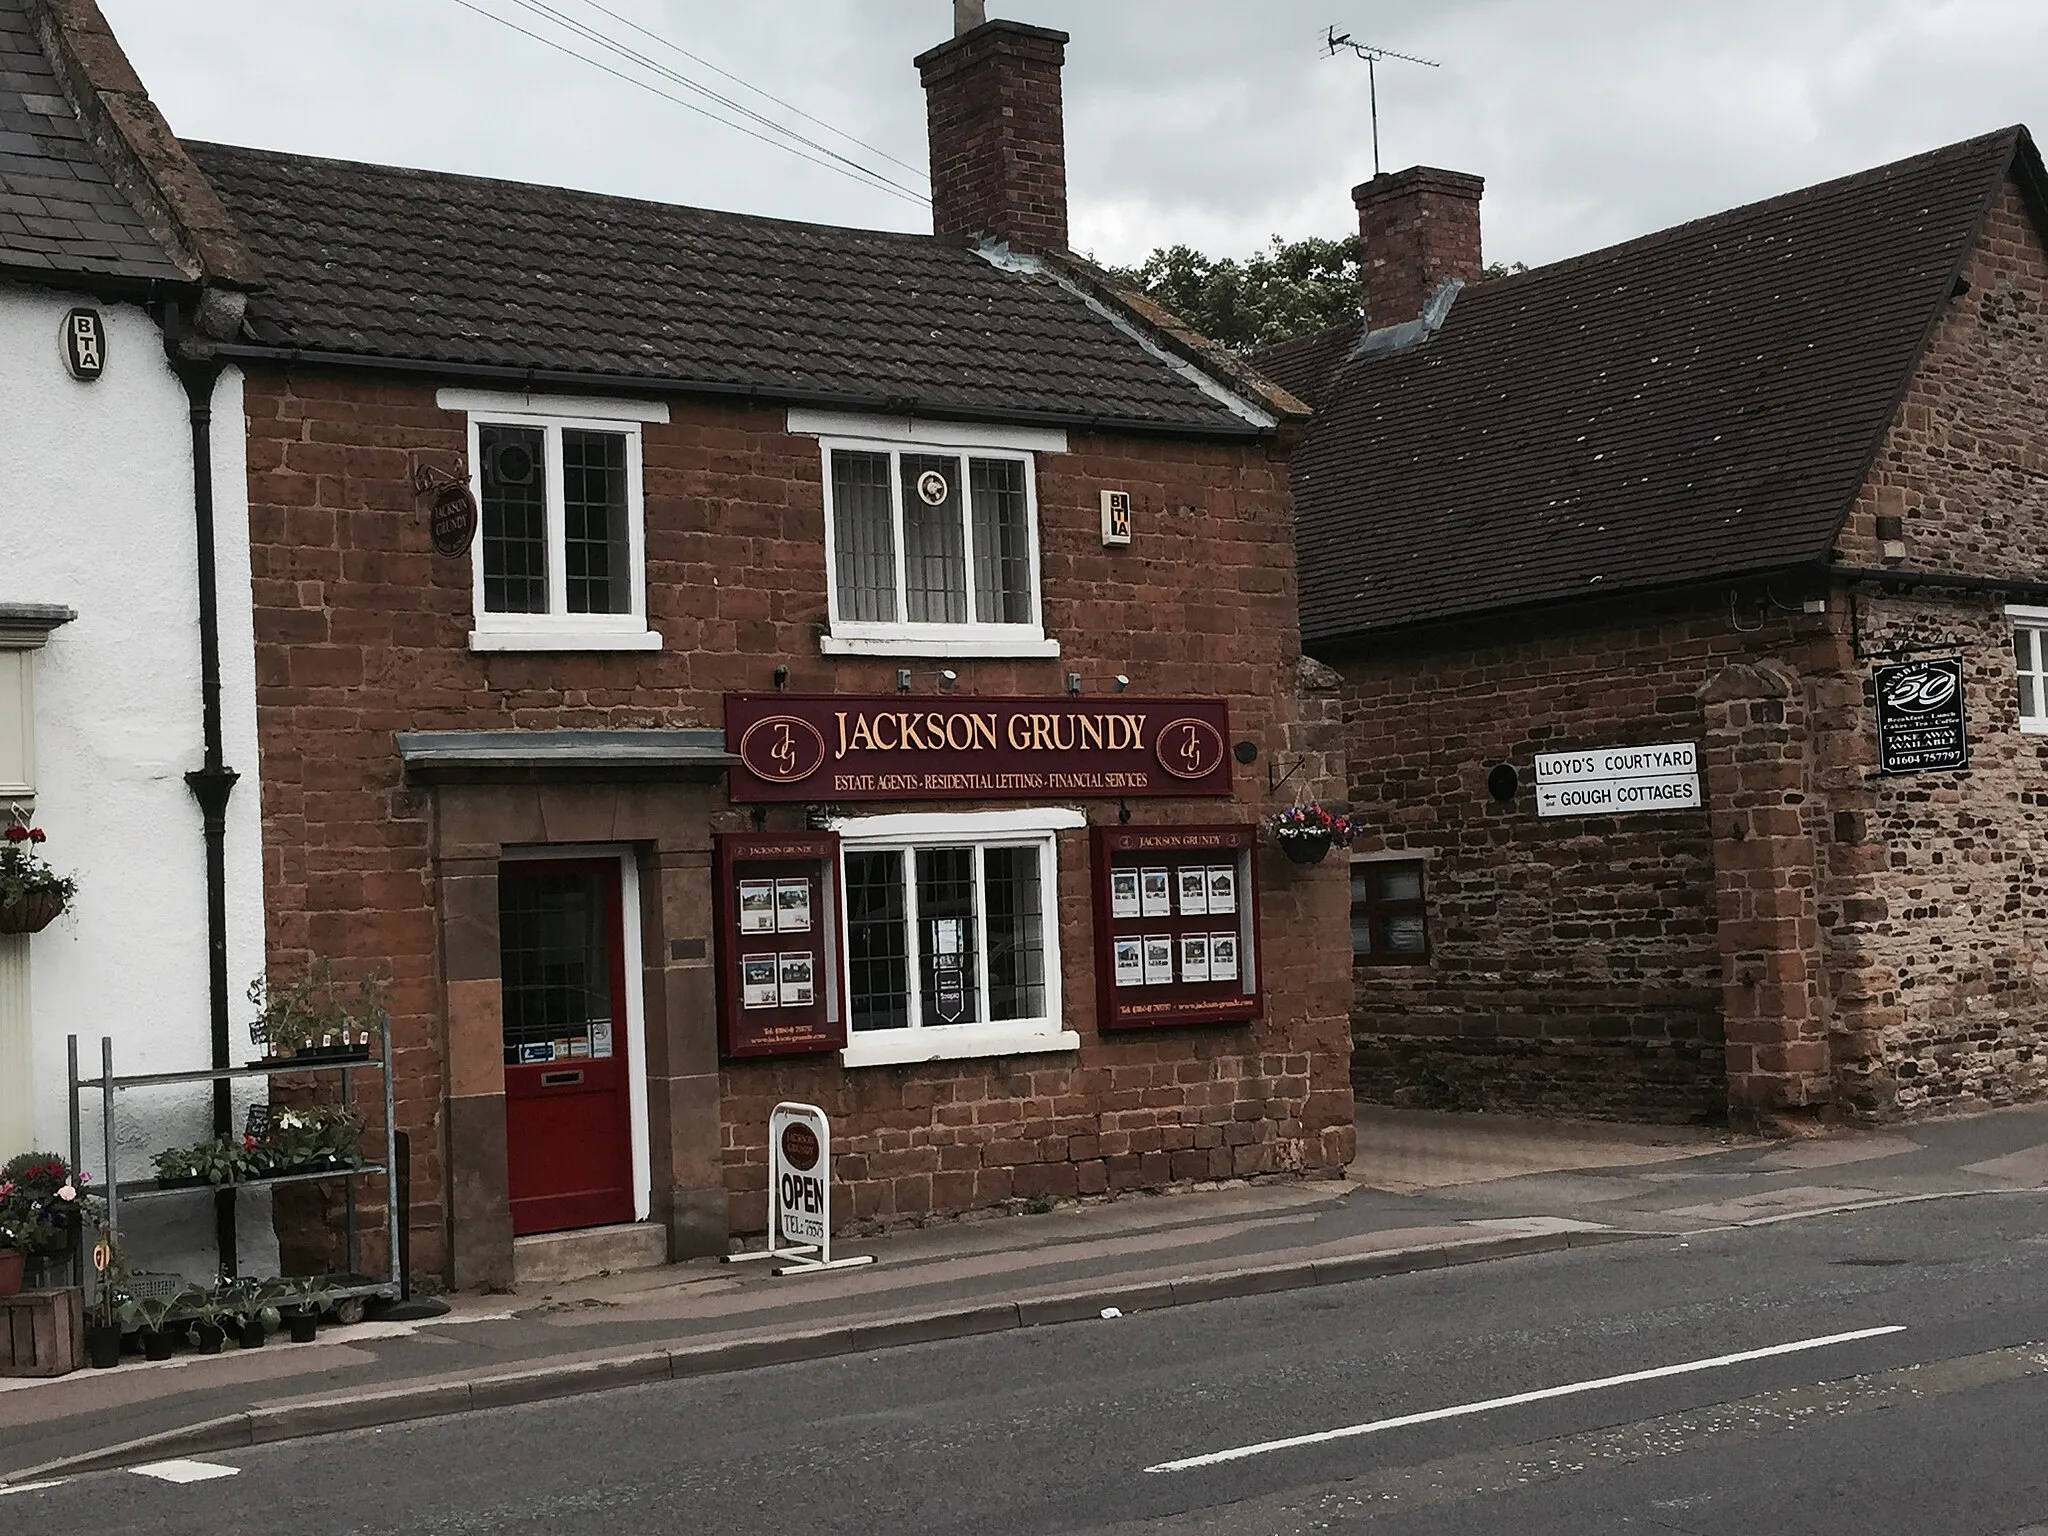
(1605, 781)
(832, 748)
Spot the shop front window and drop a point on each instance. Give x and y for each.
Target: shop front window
(950, 936)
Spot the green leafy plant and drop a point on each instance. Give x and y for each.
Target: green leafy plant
(218, 1160)
(23, 869)
(149, 1313)
(319, 1011)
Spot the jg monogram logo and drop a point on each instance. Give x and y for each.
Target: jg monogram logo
(1190, 749)
(783, 749)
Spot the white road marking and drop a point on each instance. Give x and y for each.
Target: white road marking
(184, 1471)
(7, 1488)
(1352, 1431)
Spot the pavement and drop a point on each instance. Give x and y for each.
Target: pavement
(1428, 1191)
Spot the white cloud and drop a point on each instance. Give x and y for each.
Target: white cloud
(1210, 122)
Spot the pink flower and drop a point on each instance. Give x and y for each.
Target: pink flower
(66, 1192)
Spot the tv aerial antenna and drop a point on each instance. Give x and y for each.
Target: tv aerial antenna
(1335, 41)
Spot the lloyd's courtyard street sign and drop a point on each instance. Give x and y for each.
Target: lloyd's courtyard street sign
(831, 747)
(1604, 781)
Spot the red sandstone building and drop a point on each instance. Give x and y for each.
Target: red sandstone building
(1689, 598)
(862, 690)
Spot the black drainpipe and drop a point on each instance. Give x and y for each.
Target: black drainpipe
(212, 784)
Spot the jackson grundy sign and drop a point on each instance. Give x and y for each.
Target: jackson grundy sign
(829, 748)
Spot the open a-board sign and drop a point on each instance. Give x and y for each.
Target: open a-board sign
(1176, 926)
(779, 983)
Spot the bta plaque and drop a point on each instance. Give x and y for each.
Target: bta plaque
(1920, 717)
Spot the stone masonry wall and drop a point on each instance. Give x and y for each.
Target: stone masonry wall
(1574, 961)
(1937, 906)
(361, 631)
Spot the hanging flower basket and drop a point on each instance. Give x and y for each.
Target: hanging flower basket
(32, 911)
(32, 894)
(1305, 847)
(1306, 833)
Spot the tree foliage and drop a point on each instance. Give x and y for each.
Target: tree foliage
(1289, 289)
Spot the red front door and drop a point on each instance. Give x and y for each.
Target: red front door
(568, 1109)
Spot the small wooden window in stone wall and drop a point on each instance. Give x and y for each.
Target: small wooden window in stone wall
(1389, 913)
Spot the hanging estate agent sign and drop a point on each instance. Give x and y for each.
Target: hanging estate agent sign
(833, 748)
(1605, 781)
(1920, 724)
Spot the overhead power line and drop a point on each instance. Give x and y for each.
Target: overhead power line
(834, 162)
(873, 149)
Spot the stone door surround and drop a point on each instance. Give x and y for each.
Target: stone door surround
(656, 793)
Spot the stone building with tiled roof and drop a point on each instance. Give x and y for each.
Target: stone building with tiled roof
(1689, 600)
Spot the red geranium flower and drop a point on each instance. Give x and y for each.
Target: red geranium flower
(17, 834)
(38, 835)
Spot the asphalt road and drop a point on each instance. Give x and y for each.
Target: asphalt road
(1939, 1427)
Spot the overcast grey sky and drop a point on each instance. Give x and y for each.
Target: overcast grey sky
(1210, 122)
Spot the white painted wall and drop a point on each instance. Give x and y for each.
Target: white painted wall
(96, 513)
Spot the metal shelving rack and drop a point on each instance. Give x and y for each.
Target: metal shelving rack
(109, 1087)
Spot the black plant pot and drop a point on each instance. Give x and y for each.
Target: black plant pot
(157, 1345)
(103, 1346)
(251, 1335)
(212, 1338)
(1306, 848)
(303, 1327)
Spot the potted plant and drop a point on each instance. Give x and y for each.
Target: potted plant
(148, 1314)
(1305, 831)
(311, 1298)
(46, 1206)
(244, 1300)
(13, 1258)
(216, 1161)
(32, 894)
(318, 1016)
(103, 1320)
(210, 1313)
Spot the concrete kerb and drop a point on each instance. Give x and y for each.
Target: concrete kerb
(683, 1360)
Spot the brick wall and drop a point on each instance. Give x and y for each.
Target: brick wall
(998, 137)
(362, 630)
(1415, 229)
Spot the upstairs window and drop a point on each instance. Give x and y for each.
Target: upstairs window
(2030, 660)
(560, 559)
(934, 551)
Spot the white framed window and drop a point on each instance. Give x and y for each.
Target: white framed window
(951, 935)
(2030, 660)
(560, 561)
(931, 533)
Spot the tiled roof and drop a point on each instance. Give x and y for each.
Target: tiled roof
(376, 262)
(60, 212)
(1696, 404)
(1303, 365)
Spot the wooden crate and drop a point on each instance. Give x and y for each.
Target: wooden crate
(42, 1333)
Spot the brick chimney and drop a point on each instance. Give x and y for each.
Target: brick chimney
(1415, 228)
(999, 144)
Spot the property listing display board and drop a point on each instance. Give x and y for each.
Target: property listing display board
(778, 903)
(1176, 926)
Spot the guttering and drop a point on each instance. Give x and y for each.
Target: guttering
(2017, 586)
(750, 394)
(213, 782)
